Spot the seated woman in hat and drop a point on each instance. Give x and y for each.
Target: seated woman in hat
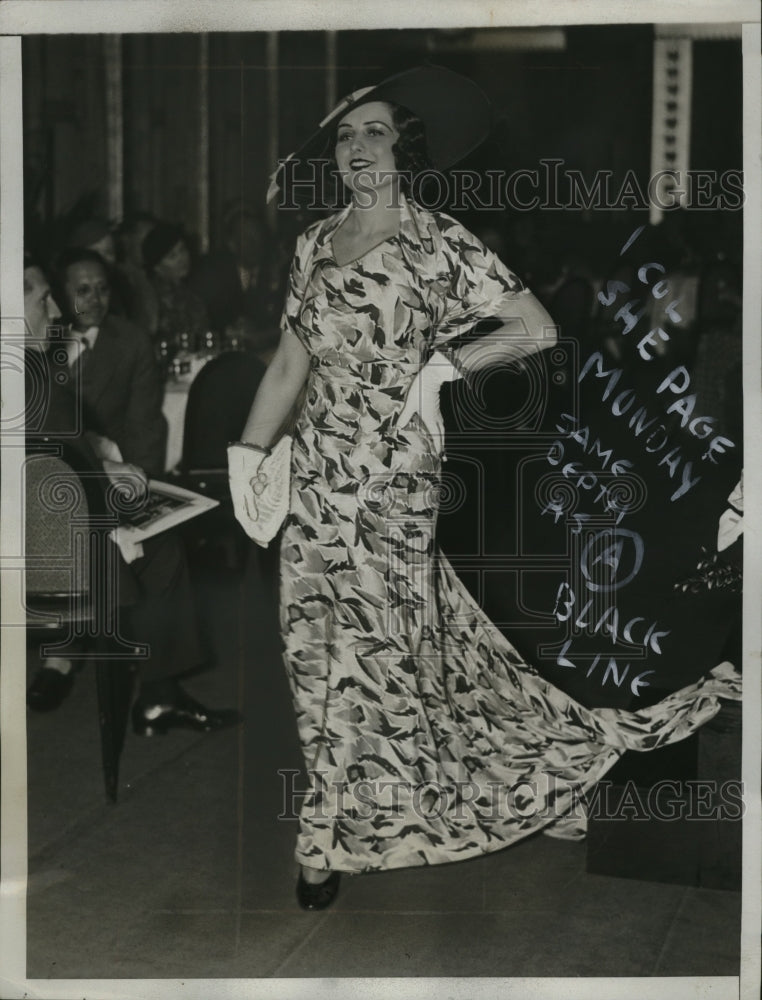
(181, 317)
(417, 717)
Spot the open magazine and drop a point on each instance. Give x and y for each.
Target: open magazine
(166, 506)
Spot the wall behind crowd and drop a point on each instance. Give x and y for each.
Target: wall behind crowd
(585, 103)
(588, 104)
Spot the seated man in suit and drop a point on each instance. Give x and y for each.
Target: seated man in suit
(155, 586)
(118, 374)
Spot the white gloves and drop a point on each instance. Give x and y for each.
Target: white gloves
(423, 397)
(243, 470)
(259, 487)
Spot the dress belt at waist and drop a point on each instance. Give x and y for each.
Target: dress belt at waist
(344, 370)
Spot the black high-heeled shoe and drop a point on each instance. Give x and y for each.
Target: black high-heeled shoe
(317, 896)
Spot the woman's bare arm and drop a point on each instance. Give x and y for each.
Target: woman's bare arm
(528, 328)
(277, 392)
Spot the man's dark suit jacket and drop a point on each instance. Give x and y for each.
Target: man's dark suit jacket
(122, 394)
(156, 588)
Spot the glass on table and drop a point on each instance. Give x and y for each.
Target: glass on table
(233, 336)
(211, 345)
(180, 365)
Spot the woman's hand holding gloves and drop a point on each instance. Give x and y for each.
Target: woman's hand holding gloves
(260, 477)
(423, 397)
(259, 487)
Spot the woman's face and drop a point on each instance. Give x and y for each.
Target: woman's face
(88, 293)
(175, 265)
(364, 141)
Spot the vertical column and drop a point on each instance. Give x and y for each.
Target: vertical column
(273, 104)
(112, 55)
(671, 119)
(330, 71)
(203, 142)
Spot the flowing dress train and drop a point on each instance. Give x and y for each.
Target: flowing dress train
(426, 737)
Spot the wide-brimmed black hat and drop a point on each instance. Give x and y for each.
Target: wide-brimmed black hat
(455, 112)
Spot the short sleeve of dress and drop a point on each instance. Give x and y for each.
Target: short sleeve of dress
(297, 281)
(477, 286)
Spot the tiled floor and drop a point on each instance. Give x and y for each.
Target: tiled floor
(191, 874)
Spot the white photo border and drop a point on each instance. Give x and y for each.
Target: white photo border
(18, 17)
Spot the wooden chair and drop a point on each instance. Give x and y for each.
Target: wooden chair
(72, 583)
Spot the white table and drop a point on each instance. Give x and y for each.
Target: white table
(173, 407)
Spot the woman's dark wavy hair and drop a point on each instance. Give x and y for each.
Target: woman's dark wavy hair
(411, 154)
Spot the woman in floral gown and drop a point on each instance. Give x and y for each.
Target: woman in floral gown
(426, 738)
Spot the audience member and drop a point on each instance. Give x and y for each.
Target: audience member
(120, 380)
(243, 283)
(144, 306)
(154, 589)
(181, 315)
(95, 235)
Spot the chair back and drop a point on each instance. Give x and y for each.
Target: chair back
(219, 401)
(57, 541)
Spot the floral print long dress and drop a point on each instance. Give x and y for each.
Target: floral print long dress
(426, 737)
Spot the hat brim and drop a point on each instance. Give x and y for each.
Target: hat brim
(158, 242)
(455, 111)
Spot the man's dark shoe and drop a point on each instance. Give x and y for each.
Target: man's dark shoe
(184, 712)
(48, 689)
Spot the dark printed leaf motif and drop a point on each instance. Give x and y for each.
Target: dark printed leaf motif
(340, 835)
(352, 286)
(356, 606)
(378, 821)
(386, 765)
(364, 532)
(331, 467)
(376, 277)
(346, 488)
(339, 567)
(389, 731)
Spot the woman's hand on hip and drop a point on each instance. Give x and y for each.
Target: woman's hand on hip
(423, 397)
